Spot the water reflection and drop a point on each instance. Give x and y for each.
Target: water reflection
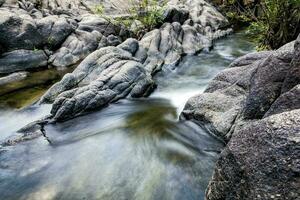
(25, 92)
(155, 119)
(131, 150)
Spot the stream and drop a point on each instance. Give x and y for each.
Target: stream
(133, 149)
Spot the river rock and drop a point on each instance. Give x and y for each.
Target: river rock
(222, 101)
(76, 47)
(254, 106)
(267, 82)
(13, 78)
(20, 60)
(261, 161)
(201, 13)
(55, 29)
(104, 76)
(91, 31)
(176, 14)
(234, 85)
(86, 89)
(18, 31)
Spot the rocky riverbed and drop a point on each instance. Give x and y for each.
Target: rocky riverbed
(166, 158)
(251, 106)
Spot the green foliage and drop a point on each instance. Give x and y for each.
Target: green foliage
(98, 9)
(279, 23)
(50, 40)
(148, 12)
(271, 23)
(256, 32)
(35, 49)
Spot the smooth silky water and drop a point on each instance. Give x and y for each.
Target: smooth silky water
(134, 149)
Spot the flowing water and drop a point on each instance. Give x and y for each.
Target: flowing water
(134, 149)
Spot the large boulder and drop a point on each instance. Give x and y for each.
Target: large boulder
(18, 31)
(75, 48)
(91, 31)
(255, 73)
(254, 106)
(165, 47)
(267, 82)
(55, 29)
(223, 100)
(261, 161)
(103, 77)
(201, 13)
(20, 60)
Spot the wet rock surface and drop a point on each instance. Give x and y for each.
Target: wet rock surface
(111, 73)
(254, 106)
(104, 76)
(20, 60)
(69, 31)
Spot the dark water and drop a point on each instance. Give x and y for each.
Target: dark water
(25, 92)
(135, 149)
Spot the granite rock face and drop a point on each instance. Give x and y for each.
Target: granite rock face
(111, 65)
(111, 73)
(66, 36)
(105, 76)
(68, 31)
(254, 106)
(261, 161)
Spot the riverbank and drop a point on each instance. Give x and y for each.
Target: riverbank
(254, 106)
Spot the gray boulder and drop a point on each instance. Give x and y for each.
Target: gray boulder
(176, 14)
(201, 13)
(254, 106)
(261, 161)
(223, 100)
(13, 78)
(260, 74)
(18, 31)
(87, 89)
(20, 60)
(55, 30)
(165, 47)
(267, 82)
(75, 48)
(91, 22)
(91, 31)
(103, 77)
